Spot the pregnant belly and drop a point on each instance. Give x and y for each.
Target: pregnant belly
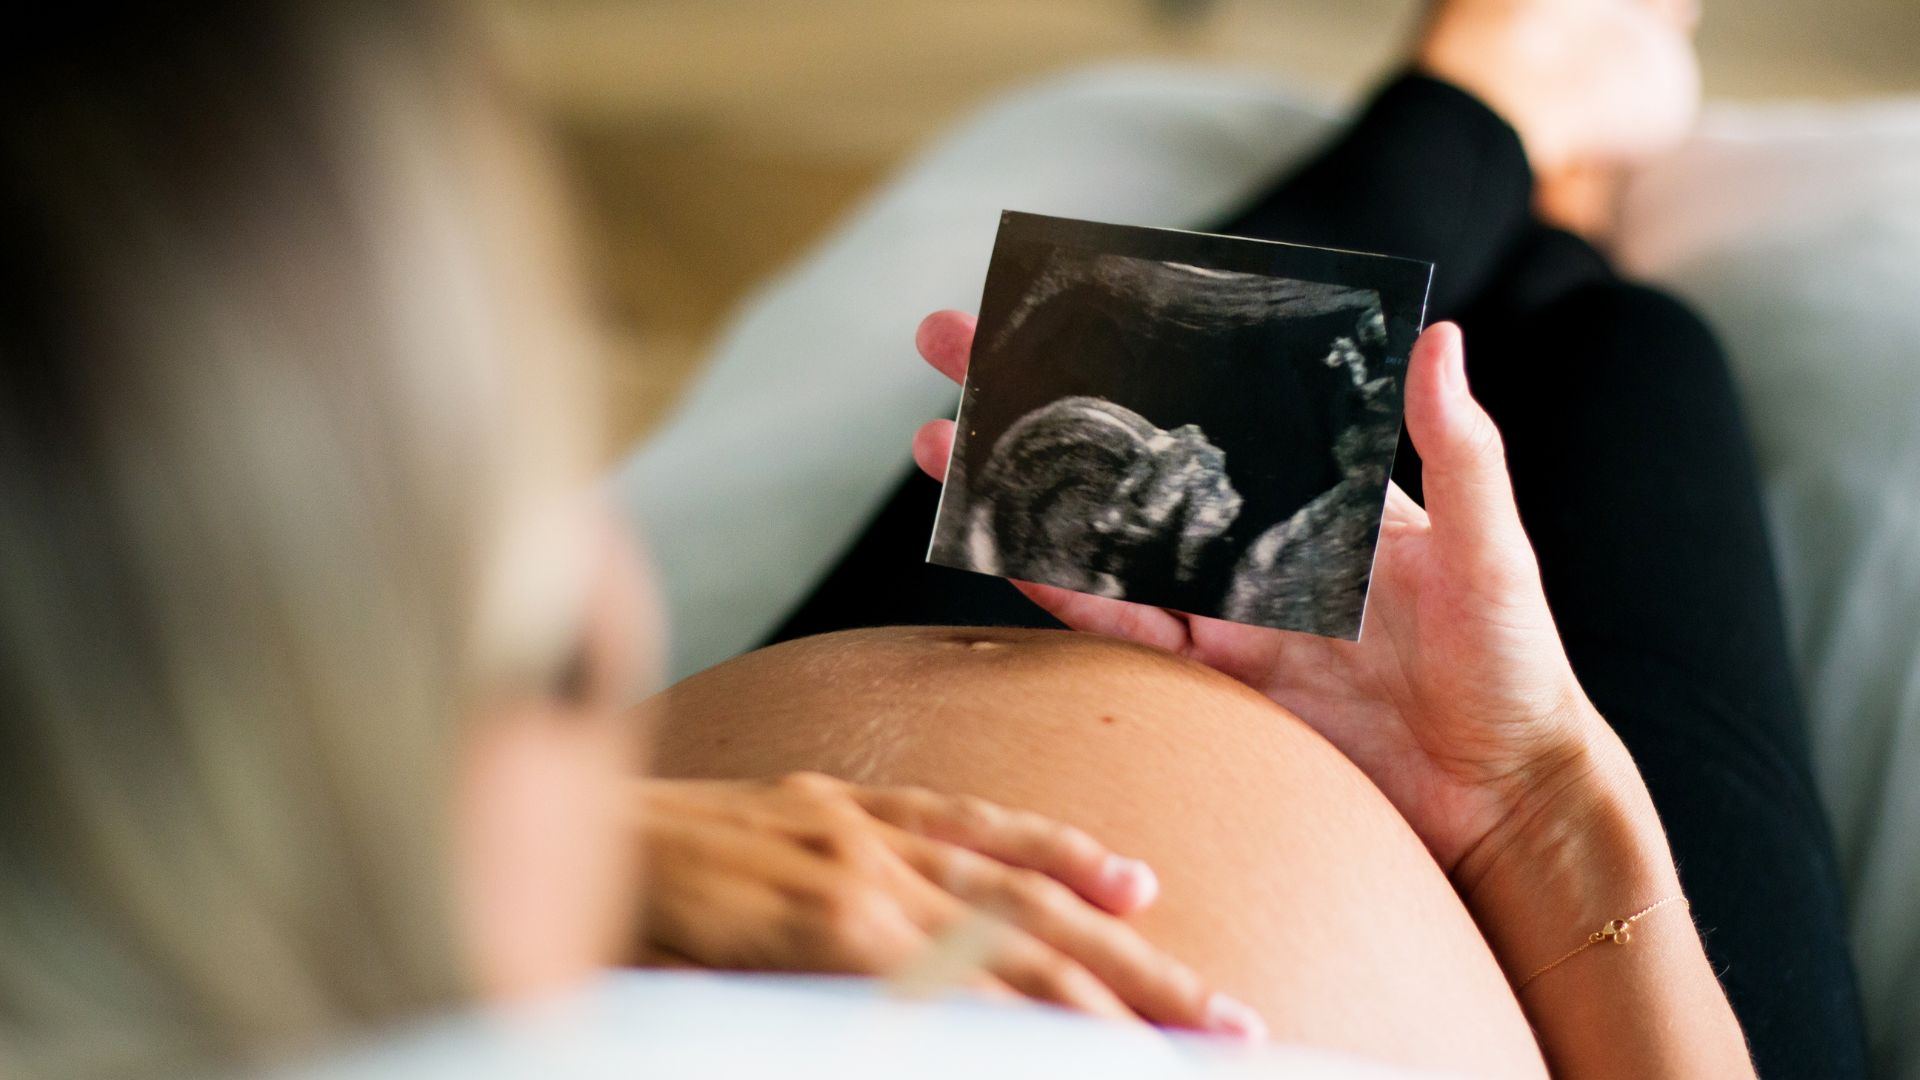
(1287, 877)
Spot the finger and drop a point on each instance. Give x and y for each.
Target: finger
(1017, 838)
(933, 447)
(945, 340)
(1150, 982)
(1039, 971)
(1153, 626)
(1401, 508)
(936, 979)
(965, 943)
(865, 927)
(1463, 461)
(959, 942)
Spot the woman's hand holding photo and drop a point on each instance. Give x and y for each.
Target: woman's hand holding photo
(1458, 700)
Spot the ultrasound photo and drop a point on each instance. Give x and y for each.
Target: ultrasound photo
(1198, 422)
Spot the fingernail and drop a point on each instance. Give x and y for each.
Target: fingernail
(1131, 883)
(1230, 1016)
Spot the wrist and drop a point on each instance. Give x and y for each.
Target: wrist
(1583, 846)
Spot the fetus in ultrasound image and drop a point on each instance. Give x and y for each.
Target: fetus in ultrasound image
(1312, 569)
(1087, 494)
(1200, 423)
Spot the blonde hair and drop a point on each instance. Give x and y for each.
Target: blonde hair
(287, 365)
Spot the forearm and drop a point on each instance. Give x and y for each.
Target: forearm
(1590, 852)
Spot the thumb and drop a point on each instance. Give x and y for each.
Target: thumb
(1469, 496)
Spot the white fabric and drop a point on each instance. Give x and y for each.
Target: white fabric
(1795, 229)
(713, 1027)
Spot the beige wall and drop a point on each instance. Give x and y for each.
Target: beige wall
(714, 139)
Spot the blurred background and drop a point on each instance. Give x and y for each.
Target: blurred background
(710, 141)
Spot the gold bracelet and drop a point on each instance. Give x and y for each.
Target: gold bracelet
(1616, 931)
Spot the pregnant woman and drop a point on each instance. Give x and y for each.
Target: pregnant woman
(315, 675)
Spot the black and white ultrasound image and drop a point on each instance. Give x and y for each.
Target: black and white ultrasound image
(1196, 422)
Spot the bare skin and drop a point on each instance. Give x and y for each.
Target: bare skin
(1289, 881)
(1594, 87)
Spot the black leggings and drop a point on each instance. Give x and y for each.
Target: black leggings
(1635, 480)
